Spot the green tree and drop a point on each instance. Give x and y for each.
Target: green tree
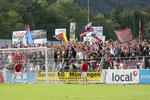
(116, 18)
(67, 9)
(108, 28)
(126, 19)
(11, 21)
(146, 30)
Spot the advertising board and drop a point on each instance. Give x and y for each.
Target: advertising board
(122, 76)
(29, 77)
(144, 76)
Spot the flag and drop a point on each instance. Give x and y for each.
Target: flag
(140, 29)
(124, 35)
(88, 25)
(97, 38)
(61, 36)
(28, 36)
(56, 36)
(86, 32)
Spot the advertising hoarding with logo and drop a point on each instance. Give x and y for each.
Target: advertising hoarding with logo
(98, 30)
(122, 76)
(19, 37)
(38, 36)
(60, 30)
(29, 77)
(144, 76)
(68, 77)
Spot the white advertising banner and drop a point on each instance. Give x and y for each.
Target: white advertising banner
(61, 30)
(98, 30)
(122, 76)
(19, 37)
(38, 36)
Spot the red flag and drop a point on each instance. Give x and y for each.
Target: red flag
(140, 29)
(124, 35)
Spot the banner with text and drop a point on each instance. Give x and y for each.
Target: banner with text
(68, 77)
(19, 37)
(122, 76)
(60, 30)
(38, 36)
(144, 76)
(98, 30)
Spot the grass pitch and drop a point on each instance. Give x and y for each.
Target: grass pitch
(73, 92)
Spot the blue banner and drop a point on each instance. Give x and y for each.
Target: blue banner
(144, 76)
(28, 77)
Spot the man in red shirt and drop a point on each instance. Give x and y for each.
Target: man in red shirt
(17, 70)
(84, 70)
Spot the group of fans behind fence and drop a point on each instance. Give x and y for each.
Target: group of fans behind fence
(99, 55)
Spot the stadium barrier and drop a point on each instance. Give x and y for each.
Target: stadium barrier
(68, 77)
(1, 77)
(28, 77)
(144, 76)
(128, 76)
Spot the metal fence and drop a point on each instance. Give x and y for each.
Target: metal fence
(5, 42)
(40, 63)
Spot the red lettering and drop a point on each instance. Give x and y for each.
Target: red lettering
(20, 34)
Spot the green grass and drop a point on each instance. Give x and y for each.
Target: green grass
(73, 92)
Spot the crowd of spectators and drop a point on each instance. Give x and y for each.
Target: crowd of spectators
(102, 53)
(99, 55)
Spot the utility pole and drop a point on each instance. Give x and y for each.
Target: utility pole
(88, 12)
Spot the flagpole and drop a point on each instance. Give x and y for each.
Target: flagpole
(88, 13)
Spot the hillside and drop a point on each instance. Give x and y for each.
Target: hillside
(106, 6)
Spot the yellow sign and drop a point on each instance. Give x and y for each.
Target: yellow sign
(69, 77)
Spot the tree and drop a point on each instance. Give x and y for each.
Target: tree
(146, 33)
(67, 9)
(115, 15)
(108, 28)
(126, 19)
(11, 21)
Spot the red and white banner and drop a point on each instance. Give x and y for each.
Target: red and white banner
(18, 37)
(124, 35)
(38, 36)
